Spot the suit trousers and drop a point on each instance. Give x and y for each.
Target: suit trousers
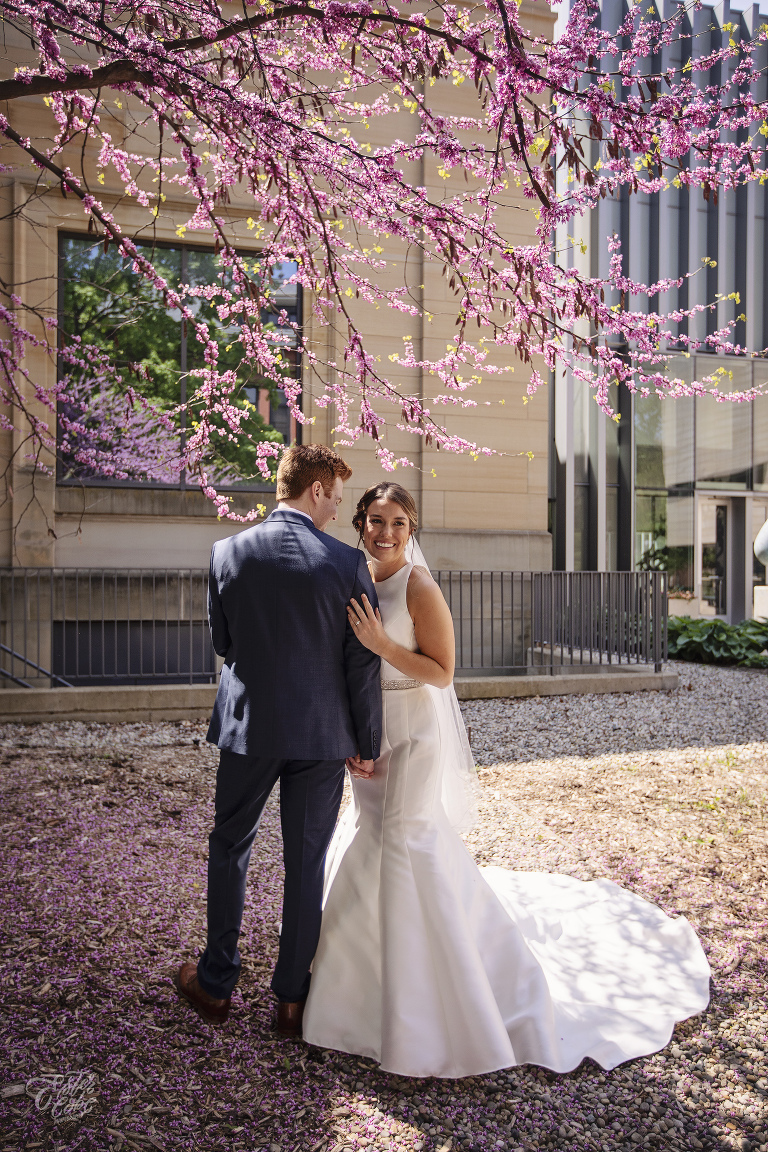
(310, 797)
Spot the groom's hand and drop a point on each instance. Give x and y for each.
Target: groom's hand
(363, 769)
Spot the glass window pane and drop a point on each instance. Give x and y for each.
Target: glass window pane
(611, 529)
(759, 517)
(105, 303)
(723, 450)
(714, 561)
(102, 301)
(664, 435)
(582, 395)
(759, 440)
(280, 417)
(203, 270)
(281, 303)
(612, 439)
(283, 297)
(257, 394)
(664, 539)
(581, 528)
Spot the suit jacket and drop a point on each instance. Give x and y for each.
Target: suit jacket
(296, 684)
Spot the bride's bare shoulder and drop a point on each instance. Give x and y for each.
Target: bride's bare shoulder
(420, 577)
(421, 585)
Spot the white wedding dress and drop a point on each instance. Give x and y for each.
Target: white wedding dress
(435, 967)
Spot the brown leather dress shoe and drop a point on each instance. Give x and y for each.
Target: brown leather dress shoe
(214, 1010)
(289, 1017)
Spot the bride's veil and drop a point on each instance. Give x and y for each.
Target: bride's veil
(457, 767)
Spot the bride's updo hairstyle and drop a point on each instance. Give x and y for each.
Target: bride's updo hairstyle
(385, 491)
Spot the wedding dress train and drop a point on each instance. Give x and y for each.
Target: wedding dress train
(435, 967)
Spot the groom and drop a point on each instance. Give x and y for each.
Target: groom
(298, 695)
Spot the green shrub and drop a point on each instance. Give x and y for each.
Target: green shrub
(715, 642)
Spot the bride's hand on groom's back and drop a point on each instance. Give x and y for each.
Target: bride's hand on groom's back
(367, 625)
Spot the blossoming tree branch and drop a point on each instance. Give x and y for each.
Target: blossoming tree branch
(275, 99)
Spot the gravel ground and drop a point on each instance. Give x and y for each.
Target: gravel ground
(102, 888)
(712, 706)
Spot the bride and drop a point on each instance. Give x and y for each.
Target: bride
(435, 967)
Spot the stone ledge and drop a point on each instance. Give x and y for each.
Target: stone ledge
(146, 703)
(108, 704)
(490, 688)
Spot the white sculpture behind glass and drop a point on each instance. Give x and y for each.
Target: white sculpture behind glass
(760, 609)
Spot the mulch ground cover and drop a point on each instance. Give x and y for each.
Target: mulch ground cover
(102, 893)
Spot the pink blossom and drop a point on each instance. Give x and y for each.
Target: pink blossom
(221, 101)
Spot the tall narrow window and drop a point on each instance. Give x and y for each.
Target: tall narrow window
(612, 484)
(663, 442)
(582, 398)
(722, 427)
(664, 539)
(714, 559)
(759, 408)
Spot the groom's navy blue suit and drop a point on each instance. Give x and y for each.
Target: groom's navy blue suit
(298, 693)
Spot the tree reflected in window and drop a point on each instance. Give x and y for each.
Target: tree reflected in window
(103, 436)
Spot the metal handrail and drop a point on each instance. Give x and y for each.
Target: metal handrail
(31, 663)
(16, 679)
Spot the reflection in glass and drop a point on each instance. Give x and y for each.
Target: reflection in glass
(203, 269)
(280, 311)
(759, 408)
(714, 558)
(104, 303)
(582, 396)
(663, 442)
(612, 439)
(581, 528)
(664, 538)
(723, 428)
(611, 529)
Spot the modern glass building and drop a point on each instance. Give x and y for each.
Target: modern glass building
(679, 485)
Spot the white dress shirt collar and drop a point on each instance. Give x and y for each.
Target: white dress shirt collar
(287, 508)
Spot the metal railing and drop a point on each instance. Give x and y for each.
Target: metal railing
(62, 627)
(516, 623)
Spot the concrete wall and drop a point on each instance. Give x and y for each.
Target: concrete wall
(148, 528)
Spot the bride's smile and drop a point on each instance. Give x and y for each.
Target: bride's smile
(385, 534)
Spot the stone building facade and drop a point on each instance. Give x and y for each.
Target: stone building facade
(490, 513)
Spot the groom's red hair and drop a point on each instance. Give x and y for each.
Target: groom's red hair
(302, 464)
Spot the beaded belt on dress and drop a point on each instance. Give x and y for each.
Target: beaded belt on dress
(389, 685)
